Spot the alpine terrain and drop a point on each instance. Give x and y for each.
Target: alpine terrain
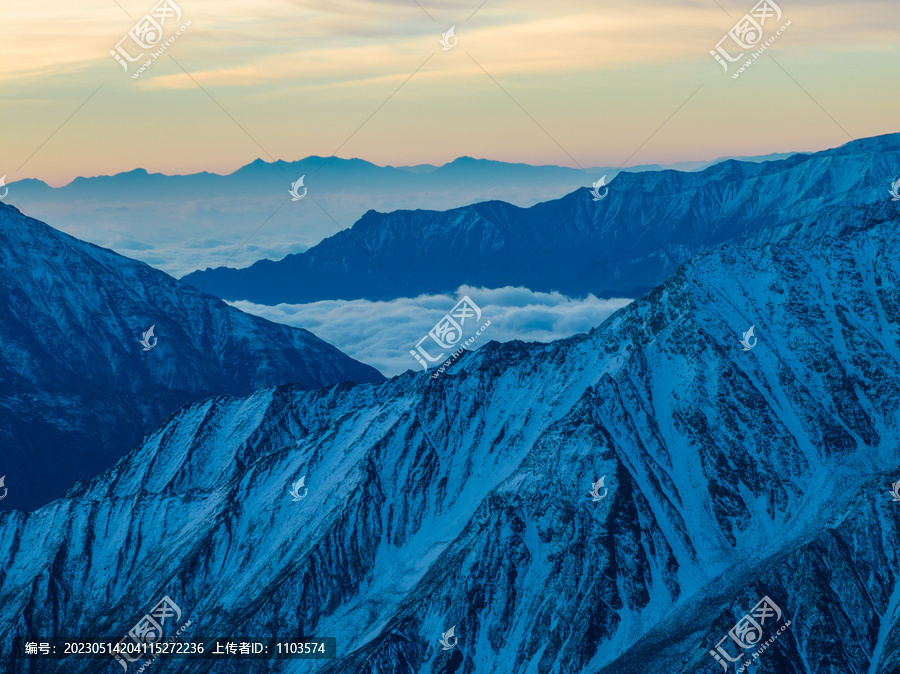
(732, 478)
(643, 227)
(78, 389)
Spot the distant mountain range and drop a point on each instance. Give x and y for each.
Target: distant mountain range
(183, 223)
(647, 225)
(77, 390)
(731, 477)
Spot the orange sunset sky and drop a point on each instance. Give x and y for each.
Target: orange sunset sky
(589, 83)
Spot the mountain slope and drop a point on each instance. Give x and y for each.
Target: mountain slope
(463, 501)
(78, 391)
(633, 239)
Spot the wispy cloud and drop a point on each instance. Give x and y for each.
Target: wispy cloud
(300, 76)
(348, 41)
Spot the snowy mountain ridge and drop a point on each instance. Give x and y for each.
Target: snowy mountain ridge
(621, 246)
(464, 500)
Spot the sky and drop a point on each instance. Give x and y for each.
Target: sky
(572, 83)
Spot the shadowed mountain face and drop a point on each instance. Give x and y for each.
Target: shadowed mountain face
(463, 501)
(621, 246)
(77, 390)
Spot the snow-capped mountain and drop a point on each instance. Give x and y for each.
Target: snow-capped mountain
(78, 388)
(632, 239)
(731, 475)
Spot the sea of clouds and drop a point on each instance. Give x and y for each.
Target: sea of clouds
(382, 333)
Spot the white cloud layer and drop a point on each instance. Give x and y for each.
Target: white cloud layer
(382, 333)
